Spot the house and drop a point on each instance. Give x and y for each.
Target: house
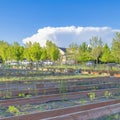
(63, 56)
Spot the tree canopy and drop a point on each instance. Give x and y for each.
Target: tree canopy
(116, 47)
(94, 51)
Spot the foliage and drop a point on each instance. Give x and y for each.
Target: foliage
(116, 47)
(44, 54)
(52, 51)
(28, 96)
(106, 54)
(84, 53)
(110, 117)
(63, 89)
(21, 95)
(94, 50)
(33, 52)
(13, 110)
(91, 95)
(72, 52)
(4, 46)
(96, 46)
(16, 52)
(116, 116)
(82, 101)
(107, 94)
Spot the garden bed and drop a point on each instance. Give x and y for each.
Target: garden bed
(55, 104)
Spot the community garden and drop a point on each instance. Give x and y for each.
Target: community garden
(58, 94)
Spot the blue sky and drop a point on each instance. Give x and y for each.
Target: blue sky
(22, 18)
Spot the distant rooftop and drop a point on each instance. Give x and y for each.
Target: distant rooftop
(63, 49)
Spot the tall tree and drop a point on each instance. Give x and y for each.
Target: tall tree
(106, 55)
(36, 52)
(4, 46)
(116, 47)
(33, 51)
(73, 52)
(96, 45)
(17, 51)
(52, 51)
(44, 54)
(84, 53)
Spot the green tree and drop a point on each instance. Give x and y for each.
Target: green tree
(33, 51)
(27, 53)
(116, 47)
(4, 48)
(84, 47)
(52, 51)
(84, 53)
(36, 52)
(73, 52)
(106, 55)
(48, 49)
(96, 46)
(44, 54)
(16, 51)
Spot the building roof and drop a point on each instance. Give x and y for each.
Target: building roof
(63, 49)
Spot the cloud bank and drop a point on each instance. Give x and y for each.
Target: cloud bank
(64, 36)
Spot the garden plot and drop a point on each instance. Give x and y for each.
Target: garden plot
(45, 87)
(15, 110)
(91, 90)
(114, 116)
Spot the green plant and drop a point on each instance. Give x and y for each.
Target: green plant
(111, 117)
(21, 95)
(94, 87)
(116, 116)
(13, 110)
(54, 105)
(82, 101)
(64, 97)
(91, 95)
(107, 94)
(63, 89)
(28, 96)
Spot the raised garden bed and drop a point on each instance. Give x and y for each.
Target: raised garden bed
(47, 95)
(90, 110)
(27, 88)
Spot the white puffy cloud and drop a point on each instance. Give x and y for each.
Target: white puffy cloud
(64, 36)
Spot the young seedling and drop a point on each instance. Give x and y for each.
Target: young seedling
(13, 110)
(63, 89)
(116, 116)
(91, 96)
(21, 95)
(107, 94)
(83, 101)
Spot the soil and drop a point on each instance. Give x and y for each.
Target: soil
(32, 108)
